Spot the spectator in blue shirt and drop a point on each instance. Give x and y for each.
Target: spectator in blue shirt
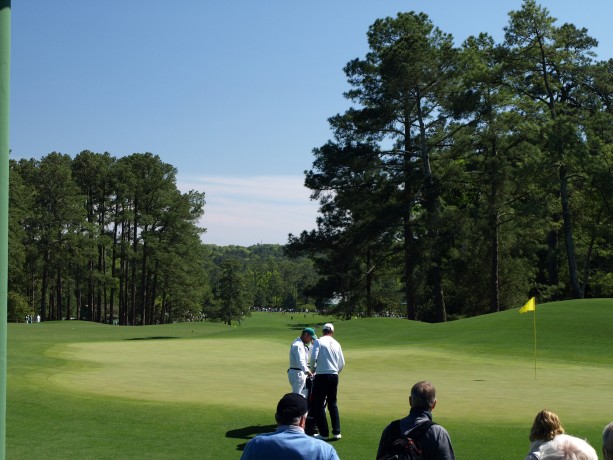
(289, 441)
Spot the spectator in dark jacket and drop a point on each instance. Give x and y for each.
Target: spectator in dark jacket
(434, 442)
(607, 442)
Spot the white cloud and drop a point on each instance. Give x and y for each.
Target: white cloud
(250, 210)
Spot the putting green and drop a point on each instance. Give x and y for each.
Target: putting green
(206, 371)
(375, 382)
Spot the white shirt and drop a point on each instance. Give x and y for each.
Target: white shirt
(534, 453)
(298, 358)
(327, 356)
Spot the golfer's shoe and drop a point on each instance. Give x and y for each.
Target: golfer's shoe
(318, 436)
(337, 436)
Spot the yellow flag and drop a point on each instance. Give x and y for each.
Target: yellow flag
(530, 306)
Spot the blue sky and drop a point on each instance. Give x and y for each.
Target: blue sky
(234, 93)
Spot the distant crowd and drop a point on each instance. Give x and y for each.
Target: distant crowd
(280, 310)
(381, 314)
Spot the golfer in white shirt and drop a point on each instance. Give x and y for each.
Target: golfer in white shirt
(327, 361)
(299, 371)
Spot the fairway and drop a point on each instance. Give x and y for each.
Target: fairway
(217, 385)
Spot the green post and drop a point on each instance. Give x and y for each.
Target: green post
(5, 65)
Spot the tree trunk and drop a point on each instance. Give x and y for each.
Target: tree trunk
(588, 258)
(494, 226)
(100, 286)
(90, 290)
(123, 268)
(369, 276)
(408, 269)
(143, 284)
(59, 294)
(79, 296)
(440, 313)
(133, 268)
(495, 268)
(68, 305)
(101, 224)
(163, 308)
(113, 270)
(553, 275)
(433, 218)
(407, 231)
(153, 293)
(44, 287)
(51, 305)
(568, 236)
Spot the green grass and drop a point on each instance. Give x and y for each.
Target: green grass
(80, 390)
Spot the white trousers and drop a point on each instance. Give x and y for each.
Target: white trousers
(297, 379)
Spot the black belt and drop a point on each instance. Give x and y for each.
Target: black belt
(294, 369)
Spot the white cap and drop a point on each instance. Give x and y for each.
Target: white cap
(328, 326)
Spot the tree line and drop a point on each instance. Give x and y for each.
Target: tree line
(113, 240)
(464, 179)
(102, 239)
(259, 277)
(461, 180)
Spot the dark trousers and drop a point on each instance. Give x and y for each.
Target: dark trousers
(310, 426)
(324, 393)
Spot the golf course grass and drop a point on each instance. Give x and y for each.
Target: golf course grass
(79, 390)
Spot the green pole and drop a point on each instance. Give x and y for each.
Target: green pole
(5, 65)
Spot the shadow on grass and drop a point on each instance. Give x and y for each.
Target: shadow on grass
(160, 337)
(249, 432)
(301, 326)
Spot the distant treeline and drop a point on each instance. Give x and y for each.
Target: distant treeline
(103, 239)
(112, 240)
(256, 277)
(465, 179)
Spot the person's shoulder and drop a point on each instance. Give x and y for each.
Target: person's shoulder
(391, 427)
(327, 450)
(320, 444)
(440, 433)
(439, 428)
(262, 437)
(263, 440)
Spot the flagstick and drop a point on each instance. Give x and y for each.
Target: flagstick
(534, 343)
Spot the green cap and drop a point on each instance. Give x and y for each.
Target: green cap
(310, 331)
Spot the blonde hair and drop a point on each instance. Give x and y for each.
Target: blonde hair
(546, 426)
